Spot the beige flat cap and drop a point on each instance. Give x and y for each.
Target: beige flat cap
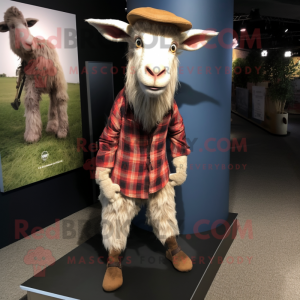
(158, 15)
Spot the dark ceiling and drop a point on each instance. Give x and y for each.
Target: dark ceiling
(274, 8)
(272, 30)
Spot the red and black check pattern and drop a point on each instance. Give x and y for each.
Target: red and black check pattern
(138, 159)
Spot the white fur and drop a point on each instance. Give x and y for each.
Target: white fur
(116, 220)
(117, 217)
(161, 213)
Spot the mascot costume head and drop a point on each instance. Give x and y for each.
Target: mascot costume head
(132, 166)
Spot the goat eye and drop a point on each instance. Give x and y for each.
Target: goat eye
(173, 48)
(138, 43)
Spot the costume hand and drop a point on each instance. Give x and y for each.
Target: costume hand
(178, 178)
(109, 189)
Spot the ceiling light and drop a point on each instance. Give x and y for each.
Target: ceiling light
(243, 29)
(234, 43)
(286, 30)
(264, 53)
(288, 53)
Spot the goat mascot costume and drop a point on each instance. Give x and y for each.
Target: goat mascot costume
(132, 167)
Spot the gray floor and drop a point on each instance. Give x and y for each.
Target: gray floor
(266, 195)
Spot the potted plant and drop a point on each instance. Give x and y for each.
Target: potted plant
(239, 76)
(239, 79)
(279, 71)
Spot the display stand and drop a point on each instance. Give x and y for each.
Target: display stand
(147, 273)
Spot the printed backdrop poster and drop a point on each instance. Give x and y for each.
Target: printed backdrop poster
(258, 102)
(38, 135)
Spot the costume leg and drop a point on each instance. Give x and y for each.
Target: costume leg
(115, 223)
(116, 220)
(161, 214)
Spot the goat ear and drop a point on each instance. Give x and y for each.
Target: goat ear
(113, 30)
(194, 39)
(3, 27)
(31, 21)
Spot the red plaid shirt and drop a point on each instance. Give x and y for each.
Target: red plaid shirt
(138, 159)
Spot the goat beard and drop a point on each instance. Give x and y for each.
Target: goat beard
(149, 111)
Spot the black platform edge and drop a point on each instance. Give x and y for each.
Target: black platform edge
(214, 266)
(83, 282)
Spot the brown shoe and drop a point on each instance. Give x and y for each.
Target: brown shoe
(180, 260)
(113, 278)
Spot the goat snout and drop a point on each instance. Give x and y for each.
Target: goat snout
(155, 71)
(29, 40)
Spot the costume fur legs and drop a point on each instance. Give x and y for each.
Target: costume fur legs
(117, 217)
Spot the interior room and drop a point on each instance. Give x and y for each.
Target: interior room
(150, 149)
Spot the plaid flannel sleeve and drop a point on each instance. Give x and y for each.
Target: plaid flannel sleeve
(109, 139)
(176, 133)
